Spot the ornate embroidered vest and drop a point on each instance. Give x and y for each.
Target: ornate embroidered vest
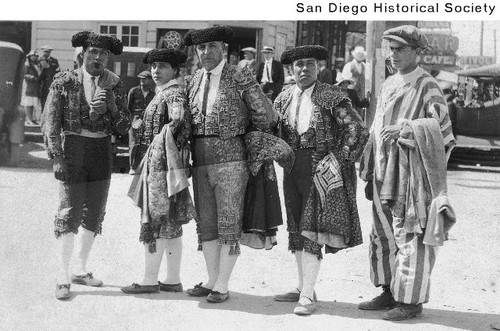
(229, 116)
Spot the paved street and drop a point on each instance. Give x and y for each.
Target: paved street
(465, 292)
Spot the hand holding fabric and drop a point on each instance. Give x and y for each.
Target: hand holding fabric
(390, 132)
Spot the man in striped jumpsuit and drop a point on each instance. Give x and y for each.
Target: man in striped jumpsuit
(400, 262)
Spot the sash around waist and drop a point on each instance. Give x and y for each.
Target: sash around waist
(208, 150)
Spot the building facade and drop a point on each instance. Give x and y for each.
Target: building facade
(153, 34)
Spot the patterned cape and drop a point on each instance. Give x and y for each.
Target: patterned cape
(160, 187)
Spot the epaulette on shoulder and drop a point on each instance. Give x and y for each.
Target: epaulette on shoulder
(65, 80)
(328, 96)
(285, 92)
(242, 76)
(170, 91)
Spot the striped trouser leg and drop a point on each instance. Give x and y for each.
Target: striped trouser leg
(383, 247)
(414, 263)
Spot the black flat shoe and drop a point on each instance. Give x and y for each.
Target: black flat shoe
(171, 287)
(139, 289)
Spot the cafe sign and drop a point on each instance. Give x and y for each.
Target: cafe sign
(446, 60)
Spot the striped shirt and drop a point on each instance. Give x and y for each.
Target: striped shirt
(403, 98)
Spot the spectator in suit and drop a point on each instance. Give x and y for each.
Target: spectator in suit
(325, 75)
(50, 66)
(139, 98)
(270, 74)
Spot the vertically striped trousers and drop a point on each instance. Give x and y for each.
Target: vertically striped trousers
(397, 258)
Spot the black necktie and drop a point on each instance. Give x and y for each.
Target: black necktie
(205, 95)
(92, 87)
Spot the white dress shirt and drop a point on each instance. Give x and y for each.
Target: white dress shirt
(306, 108)
(268, 68)
(216, 73)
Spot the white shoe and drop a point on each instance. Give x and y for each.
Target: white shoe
(131, 172)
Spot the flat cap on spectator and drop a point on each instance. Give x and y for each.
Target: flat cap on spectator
(303, 52)
(215, 33)
(173, 56)
(88, 38)
(47, 48)
(408, 35)
(144, 74)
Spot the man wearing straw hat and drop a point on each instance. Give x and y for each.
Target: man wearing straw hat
(270, 74)
(355, 70)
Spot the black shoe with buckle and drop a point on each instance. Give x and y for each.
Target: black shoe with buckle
(140, 289)
(87, 279)
(199, 291)
(170, 287)
(381, 302)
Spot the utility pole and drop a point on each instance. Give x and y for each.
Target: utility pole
(481, 39)
(375, 65)
(495, 46)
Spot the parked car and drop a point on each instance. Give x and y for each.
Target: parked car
(476, 115)
(126, 65)
(11, 77)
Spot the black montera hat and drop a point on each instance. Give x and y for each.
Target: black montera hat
(88, 38)
(216, 33)
(302, 52)
(173, 56)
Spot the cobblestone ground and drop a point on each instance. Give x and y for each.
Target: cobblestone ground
(464, 296)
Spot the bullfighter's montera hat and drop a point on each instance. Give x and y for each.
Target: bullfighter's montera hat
(173, 56)
(215, 33)
(88, 38)
(303, 52)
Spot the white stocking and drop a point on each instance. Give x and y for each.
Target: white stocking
(227, 263)
(298, 259)
(152, 262)
(310, 268)
(173, 252)
(87, 239)
(211, 252)
(65, 244)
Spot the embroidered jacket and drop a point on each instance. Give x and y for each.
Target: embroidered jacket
(336, 132)
(239, 103)
(67, 109)
(168, 105)
(335, 126)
